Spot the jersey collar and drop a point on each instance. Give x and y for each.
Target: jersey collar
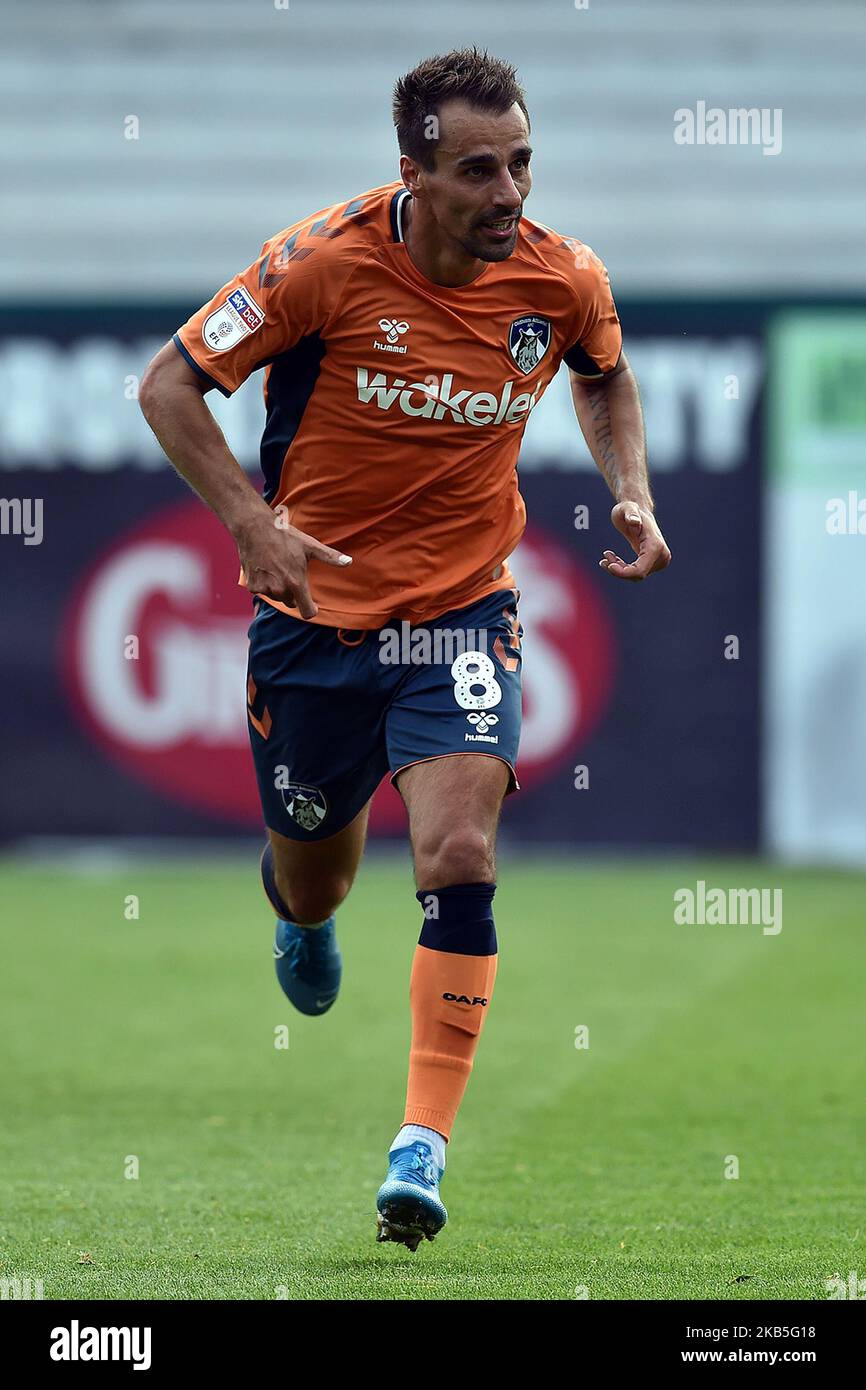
(398, 205)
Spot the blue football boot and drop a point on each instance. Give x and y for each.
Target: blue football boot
(307, 959)
(308, 964)
(408, 1201)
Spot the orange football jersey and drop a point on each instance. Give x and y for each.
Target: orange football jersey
(395, 406)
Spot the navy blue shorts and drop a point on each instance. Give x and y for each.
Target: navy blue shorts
(331, 711)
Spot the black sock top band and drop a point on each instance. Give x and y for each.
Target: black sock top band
(459, 919)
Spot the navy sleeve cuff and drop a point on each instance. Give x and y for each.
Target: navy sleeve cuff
(211, 381)
(580, 361)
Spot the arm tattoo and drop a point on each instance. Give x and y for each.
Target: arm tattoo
(599, 406)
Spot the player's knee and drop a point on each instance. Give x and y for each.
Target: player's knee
(313, 901)
(456, 854)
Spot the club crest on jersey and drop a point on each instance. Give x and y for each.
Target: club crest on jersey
(306, 805)
(528, 341)
(233, 320)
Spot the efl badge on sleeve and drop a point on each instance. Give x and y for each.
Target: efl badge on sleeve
(528, 341)
(239, 316)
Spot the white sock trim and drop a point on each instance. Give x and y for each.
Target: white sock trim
(413, 1134)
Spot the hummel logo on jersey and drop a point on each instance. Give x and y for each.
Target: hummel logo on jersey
(392, 328)
(433, 402)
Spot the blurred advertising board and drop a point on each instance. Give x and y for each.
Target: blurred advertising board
(815, 689)
(641, 702)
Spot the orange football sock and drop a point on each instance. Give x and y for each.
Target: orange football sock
(451, 986)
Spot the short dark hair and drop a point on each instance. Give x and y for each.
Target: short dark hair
(466, 74)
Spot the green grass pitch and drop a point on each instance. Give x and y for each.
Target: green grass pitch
(598, 1169)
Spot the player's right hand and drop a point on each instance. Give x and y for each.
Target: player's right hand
(274, 558)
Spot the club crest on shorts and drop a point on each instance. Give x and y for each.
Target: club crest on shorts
(528, 341)
(307, 806)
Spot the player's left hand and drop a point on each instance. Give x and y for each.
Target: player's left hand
(639, 527)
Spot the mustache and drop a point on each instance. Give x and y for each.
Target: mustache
(499, 213)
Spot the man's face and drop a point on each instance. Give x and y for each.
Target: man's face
(481, 178)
